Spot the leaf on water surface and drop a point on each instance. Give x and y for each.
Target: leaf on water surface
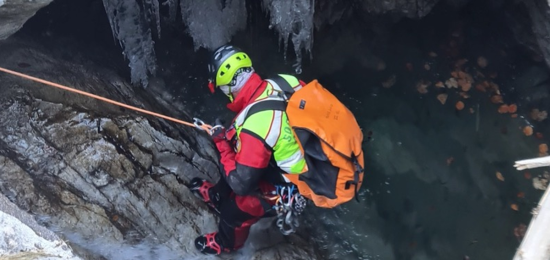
(464, 95)
(521, 195)
(503, 109)
(390, 81)
(422, 86)
(499, 176)
(459, 105)
(450, 160)
(442, 98)
(482, 62)
(538, 115)
(451, 83)
(460, 62)
(543, 149)
(497, 99)
(540, 183)
(528, 131)
(512, 108)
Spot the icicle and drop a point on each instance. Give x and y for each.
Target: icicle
(210, 23)
(134, 37)
(173, 6)
(151, 7)
(293, 19)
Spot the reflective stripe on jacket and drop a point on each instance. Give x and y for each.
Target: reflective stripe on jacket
(273, 127)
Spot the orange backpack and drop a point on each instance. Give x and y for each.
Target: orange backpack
(330, 138)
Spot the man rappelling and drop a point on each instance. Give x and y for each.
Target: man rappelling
(288, 139)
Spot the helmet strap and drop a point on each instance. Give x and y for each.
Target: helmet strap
(230, 95)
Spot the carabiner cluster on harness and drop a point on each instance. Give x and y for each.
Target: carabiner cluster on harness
(290, 204)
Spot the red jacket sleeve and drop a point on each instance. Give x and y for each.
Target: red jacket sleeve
(243, 169)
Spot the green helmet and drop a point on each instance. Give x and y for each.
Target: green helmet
(226, 60)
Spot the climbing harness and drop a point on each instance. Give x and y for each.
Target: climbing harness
(199, 124)
(289, 205)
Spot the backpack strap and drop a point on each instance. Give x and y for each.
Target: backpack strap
(280, 82)
(358, 170)
(279, 105)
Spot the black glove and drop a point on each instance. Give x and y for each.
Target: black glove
(218, 131)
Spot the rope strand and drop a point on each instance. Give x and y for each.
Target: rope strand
(205, 127)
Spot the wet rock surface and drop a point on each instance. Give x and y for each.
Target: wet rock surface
(110, 182)
(14, 13)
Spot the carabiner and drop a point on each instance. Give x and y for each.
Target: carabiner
(198, 123)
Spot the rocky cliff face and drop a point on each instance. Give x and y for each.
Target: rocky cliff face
(14, 13)
(110, 182)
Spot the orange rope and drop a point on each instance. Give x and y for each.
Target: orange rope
(205, 127)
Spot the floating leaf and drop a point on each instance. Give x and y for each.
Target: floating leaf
(464, 84)
(459, 105)
(496, 99)
(543, 148)
(454, 73)
(442, 98)
(514, 115)
(540, 183)
(528, 131)
(450, 160)
(483, 86)
(461, 62)
(451, 83)
(482, 62)
(499, 176)
(422, 86)
(503, 109)
(389, 82)
(538, 115)
(514, 206)
(440, 84)
(427, 66)
(519, 231)
(464, 95)
(513, 108)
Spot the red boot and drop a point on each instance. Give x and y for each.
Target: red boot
(209, 244)
(203, 189)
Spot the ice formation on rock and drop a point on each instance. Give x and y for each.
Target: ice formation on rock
(134, 35)
(293, 20)
(211, 23)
